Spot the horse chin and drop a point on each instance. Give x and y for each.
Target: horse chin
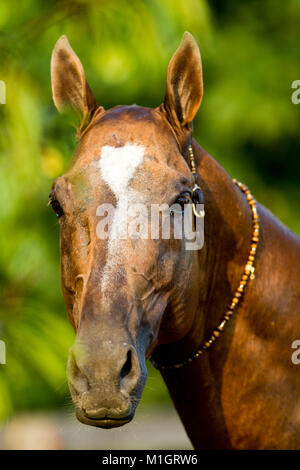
(104, 423)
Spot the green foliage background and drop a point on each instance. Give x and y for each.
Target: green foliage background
(251, 55)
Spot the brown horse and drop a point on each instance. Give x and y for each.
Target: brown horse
(132, 298)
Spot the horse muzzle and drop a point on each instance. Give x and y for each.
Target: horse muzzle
(105, 384)
(105, 418)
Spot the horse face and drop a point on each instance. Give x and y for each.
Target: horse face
(126, 287)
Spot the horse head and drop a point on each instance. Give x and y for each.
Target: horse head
(124, 295)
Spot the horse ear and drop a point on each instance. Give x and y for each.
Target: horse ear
(69, 86)
(184, 83)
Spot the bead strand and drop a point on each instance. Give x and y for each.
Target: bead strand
(192, 160)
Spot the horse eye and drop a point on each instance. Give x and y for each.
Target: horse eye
(56, 207)
(184, 198)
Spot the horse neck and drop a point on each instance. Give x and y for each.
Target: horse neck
(221, 261)
(217, 393)
(228, 231)
(227, 238)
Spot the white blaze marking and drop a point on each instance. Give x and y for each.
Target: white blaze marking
(117, 166)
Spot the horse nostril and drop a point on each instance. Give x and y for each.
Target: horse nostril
(130, 372)
(127, 366)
